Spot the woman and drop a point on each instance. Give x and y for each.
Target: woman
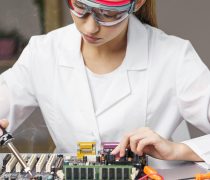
(111, 77)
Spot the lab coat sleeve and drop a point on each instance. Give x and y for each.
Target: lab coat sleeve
(193, 94)
(18, 99)
(4, 99)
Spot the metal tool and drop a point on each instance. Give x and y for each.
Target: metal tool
(6, 140)
(198, 177)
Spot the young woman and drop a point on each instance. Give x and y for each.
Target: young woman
(112, 76)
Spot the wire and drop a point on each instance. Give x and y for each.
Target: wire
(144, 177)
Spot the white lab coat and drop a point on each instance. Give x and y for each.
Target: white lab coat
(161, 82)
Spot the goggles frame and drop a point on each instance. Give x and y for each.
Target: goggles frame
(107, 5)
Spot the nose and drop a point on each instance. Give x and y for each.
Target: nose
(90, 25)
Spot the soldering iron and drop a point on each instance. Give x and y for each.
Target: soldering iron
(6, 140)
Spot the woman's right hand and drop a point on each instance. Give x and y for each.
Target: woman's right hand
(4, 123)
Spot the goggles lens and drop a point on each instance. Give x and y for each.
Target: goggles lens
(102, 15)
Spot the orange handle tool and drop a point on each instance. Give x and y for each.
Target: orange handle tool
(202, 176)
(152, 173)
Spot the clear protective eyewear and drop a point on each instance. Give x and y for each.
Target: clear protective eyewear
(105, 14)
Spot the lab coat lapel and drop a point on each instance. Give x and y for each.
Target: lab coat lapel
(71, 61)
(136, 59)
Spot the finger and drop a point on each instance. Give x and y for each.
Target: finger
(134, 142)
(140, 134)
(143, 143)
(125, 143)
(4, 123)
(116, 150)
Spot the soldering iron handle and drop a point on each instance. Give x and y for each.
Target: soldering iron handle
(3, 131)
(5, 137)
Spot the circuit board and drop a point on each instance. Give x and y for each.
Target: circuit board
(86, 165)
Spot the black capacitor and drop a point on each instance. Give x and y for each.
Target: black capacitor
(53, 169)
(136, 158)
(110, 159)
(98, 159)
(130, 153)
(122, 159)
(102, 159)
(60, 155)
(84, 159)
(126, 152)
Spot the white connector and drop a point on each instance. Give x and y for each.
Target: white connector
(50, 162)
(91, 158)
(19, 167)
(11, 164)
(32, 161)
(40, 164)
(134, 173)
(60, 174)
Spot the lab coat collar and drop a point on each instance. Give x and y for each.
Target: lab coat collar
(136, 57)
(69, 48)
(137, 46)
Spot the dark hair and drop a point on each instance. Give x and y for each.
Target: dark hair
(147, 13)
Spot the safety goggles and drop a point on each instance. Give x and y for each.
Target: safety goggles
(106, 13)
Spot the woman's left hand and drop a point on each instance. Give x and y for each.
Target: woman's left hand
(146, 141)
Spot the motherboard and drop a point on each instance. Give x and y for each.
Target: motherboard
(87, 164)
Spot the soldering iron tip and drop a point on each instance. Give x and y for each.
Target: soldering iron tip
(29, 172)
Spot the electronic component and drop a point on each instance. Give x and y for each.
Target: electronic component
(86, 148)
(40, 164)
(11, 164)
(32, 161)
(5, 161)
(109, 167)
(108, 146)
(59, 163)
(91, 166)
(50, 162)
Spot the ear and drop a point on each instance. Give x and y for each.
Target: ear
(139, 4)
